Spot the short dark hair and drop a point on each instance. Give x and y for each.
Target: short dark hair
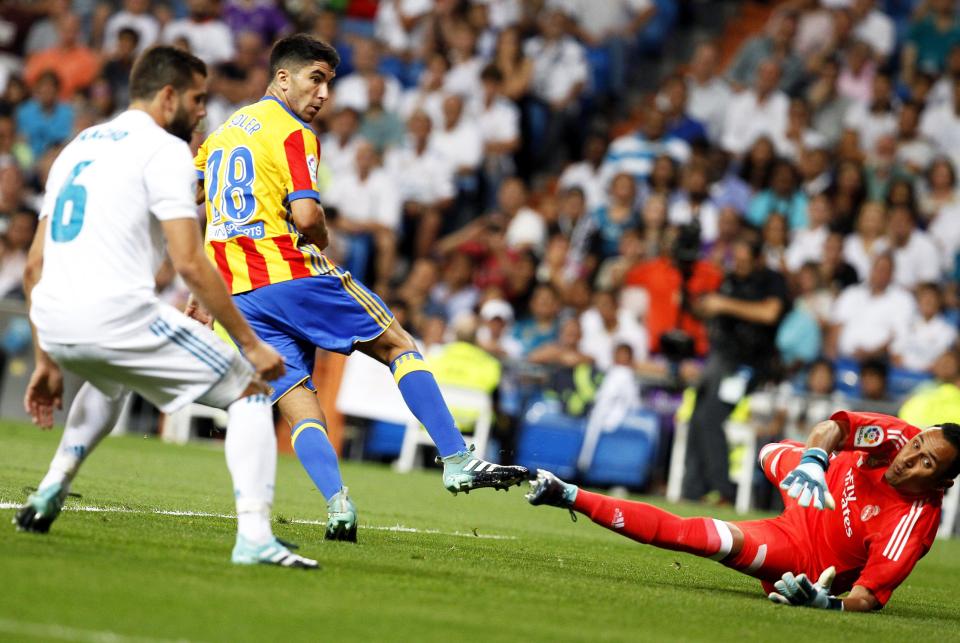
(301, 49)
(492, 73)
(160, 66)
(951, 431)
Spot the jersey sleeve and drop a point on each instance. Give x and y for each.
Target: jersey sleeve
(895, 551)
(299, 159)
(874, 431)
(170, 180)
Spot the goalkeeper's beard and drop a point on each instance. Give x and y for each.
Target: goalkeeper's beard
(180, 126)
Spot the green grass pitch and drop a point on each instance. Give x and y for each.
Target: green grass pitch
(484, 566)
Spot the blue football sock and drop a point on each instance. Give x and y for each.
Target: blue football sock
(309, 440)
(422, 395)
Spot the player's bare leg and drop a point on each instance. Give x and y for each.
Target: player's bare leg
(462, 471)
(308, 435)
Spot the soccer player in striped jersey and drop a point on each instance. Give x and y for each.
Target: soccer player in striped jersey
(875, 484)
(265, 233)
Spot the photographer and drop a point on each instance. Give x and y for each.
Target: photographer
(742, 319)
(672, 281)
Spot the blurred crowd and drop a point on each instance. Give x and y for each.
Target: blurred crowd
(779, 216)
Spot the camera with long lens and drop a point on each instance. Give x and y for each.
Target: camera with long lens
(676, 344)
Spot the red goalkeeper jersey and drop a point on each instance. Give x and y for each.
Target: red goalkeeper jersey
(875, 535)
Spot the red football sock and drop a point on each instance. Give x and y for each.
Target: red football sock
(652, 526)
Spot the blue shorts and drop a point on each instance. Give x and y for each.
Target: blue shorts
(298, 316)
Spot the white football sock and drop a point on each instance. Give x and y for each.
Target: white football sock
(92, 416)
(251, 450)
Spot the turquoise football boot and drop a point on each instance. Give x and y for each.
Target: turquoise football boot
(272, 553)
(341, 518)
(42, 508)
(463, 471)
(548, 489)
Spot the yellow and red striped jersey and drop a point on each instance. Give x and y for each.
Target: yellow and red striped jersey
(253, 166)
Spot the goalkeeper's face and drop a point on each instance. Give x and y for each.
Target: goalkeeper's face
(920, 467)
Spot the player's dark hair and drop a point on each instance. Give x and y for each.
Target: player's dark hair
(951, 431)
(293, 52)
(160, 66)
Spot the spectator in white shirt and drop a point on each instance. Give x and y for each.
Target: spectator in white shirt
(499, 121)
(135, 15)
(428, 95)
(425, 181)
(874, 119)
(464, 75)
(866, 317)
(915, 151)
(708, 94)
(761, 111)
(873, 27)
(942, 126)
(459, 140)
(208, 37)
(559, 77)
(798, 136)
(525, 227)
(927, 336)
(807, 243)
(605, 325)
(398, 24)
(870, 240)
(610, 29)
(694, 203)
(587, 174)
(339, 145)
(916, 257)
(367, 205)
(351, 90)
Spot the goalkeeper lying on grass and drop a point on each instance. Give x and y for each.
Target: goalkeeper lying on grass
(862, 507)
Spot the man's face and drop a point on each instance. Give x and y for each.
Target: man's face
(191, 107)
(307, 88)
(743, 261)
(881, 273)
(919, 467)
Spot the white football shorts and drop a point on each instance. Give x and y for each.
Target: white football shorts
(171, 362)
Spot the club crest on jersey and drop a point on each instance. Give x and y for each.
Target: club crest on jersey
(869, 512)
(868, 436)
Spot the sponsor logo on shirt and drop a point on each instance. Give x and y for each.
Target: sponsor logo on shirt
(226, 231)
(868, 436)
(869, 512)
(849, 495)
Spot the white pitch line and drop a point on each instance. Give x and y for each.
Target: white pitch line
(398, 528)
(49, 631)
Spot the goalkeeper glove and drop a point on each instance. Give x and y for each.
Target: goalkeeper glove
(798, 591)
(807, 482)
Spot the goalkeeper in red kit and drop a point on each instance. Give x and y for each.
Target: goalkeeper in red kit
(862, 507)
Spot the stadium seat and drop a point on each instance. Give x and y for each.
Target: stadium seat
(383, 440)
(900, 381)
(178, 426)
(476, 405)
(550, 440)
(846, 373)
(624, 456)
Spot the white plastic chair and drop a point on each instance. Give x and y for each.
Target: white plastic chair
(738, 434)
(178, 427)
(460, 401)
(948, 519)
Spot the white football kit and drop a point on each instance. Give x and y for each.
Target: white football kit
(95, 308)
